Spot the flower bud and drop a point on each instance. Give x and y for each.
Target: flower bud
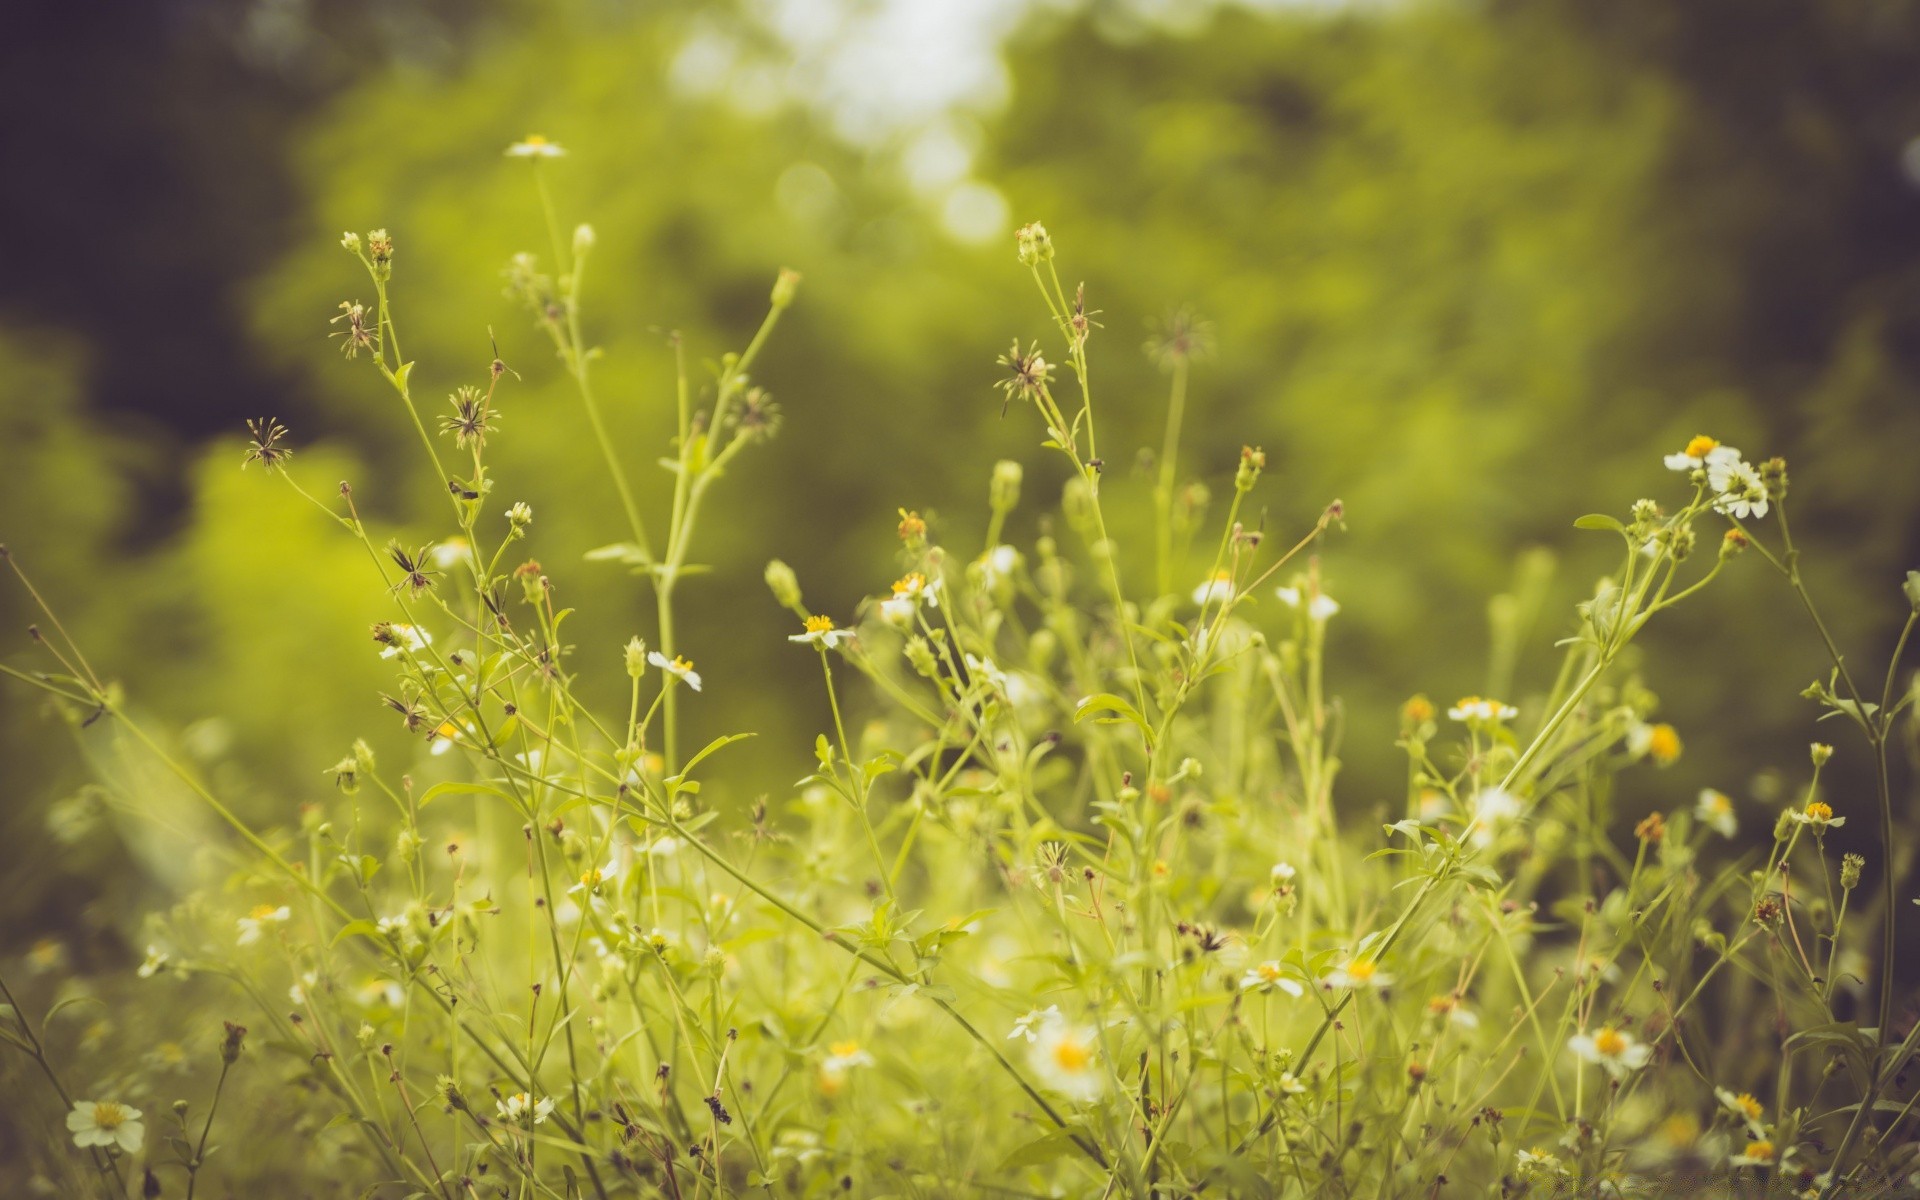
(1733, 544)
(1253, 460)
(346, 774)
(636, 658)
(583, 240)
(785, 285)
(380, 252)
(350, 241)
(1004, 492)
(1773, 477)
(1034, 245)
(1850, 867)
(1912, 588)
(920, 656)
(784, 584)
(230, 1045)
(1820, 752)
(520, 515)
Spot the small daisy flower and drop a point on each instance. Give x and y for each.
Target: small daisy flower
(678, 667)
(106, 1123)
(1532, 1163)
(408, 638)
(520, 1107)
(844, 1056)
(255, 923)
(1493, 807)
(442, 736)
(157, 961)
(1268, 976)
(1743, 493)
(997, 566)
(1715, 810)
(453, 552)
(1219, 588)
(820, 632)
(1449, 1006)
(985, 670)
(1066, 1059)
(1757, 1153)
(1700, 452)
(1660, 742)
(1358, 973)
(1618, 1052)
(1283, 872)
(1819, 814)
(1745, 1107)
(1290, 1084)
(1320, 606)
(1476, 710)
(534, 146)
(1027, 1026)
(594, 877)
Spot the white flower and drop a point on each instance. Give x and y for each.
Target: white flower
(1618, 1052)
(1493, 807)
(1819, 814)
(1283, 872)
(519, 1106)
(997, 566)
(1290, 1084)
(1319, 607)
(820, 632)
(1025, 1027)
(408, 638)
(1449, 1006)
(1757, 1153)
(252, 925)
(1715, 811)
(677, 666)
(157, 961)
(1745, 1107)
(1358, 973)
(451, 553)
(1065, 1057)
(520, 515)
(445, 734)
(594, 877)
(1701, 452)
(1475, 709)
(1538, 1162)
(1220, 588)
(984, 669)
(534, 146)
(1742, 493)
(106, 1123)
(844, 1056)
(1268, 976)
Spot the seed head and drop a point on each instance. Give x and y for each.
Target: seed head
(1034, 245)
(265, 448)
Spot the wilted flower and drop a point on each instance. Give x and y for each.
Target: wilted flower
(265, 448)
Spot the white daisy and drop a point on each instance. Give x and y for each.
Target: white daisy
(1219, 588)
(518, 1107)
(1700, 452)
(1493, 807)
(1745, 1107)
(452, 553)
(1819, 814)
(1715, 810)
(1065, 1057)
(157, 961)
(1618, 1052)
(534, 146)
(997, 566)
(106, 1123)
(1320, 606)
(255, 923)
(1358, 973)
(409, 638)
(820, 632)
(1290, 1084)
(1757, 1153)
(1268, 976)
(1475, 709)
(844, 1056)
(678, 667)
(1742, 493)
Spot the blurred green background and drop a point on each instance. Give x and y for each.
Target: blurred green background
(1471, 267)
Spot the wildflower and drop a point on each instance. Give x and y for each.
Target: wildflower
(1702, 452)
(1533, 1163)
(452, 552)
(1819, 814)
(1181, 336)
(913, 527)
(534, 146)
(397, 638)
(908, 594)
(518, 1107)
(1758, 1153)
(593, 877)
(820, 632)
(1283, 873)
(1742, 493)
(473, 418)
(1820, 752)
(1064, 1056)
(415, 575)
(1475, 710)
(1027, 374)
(520, 515)
(1714, 810)
(997, 566)
(1661, 743)
(678, 667)
(355, 336)
(1358, 973)
(106, 1123)
(1618, 1052)
(156, 962)
(1219, 587)
(1493, 807)
(843, 1056)
(1025, 1027)
(1290, 1085)
(1745, 1107)
(265, 448)
(1320, 606)
(255, 923)
(1449, 1006)
(1653, 828)
(1033, 244)
(1268, 976)
(443, 736)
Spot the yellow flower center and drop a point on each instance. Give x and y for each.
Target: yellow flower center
(534, 139)
(909, 586)
(1663, 743)
(1748, 1105)
(681, 664)
(1701, 446)
(844, 1049)
(446, 729)
(1269, 972)
(1760, 1151)
(264, 911)
(1071, 1054)
(1820, 810)
(1361, 971)
(1611, 1043)
(1442, 1004)
(109, 1115)
(819, 624)
(592, 878)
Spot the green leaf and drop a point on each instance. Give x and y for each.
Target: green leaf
(362, 928)
(1040, 1151)
(1120, 712)
(1600, 521)
(620, 552)
(456, 787)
